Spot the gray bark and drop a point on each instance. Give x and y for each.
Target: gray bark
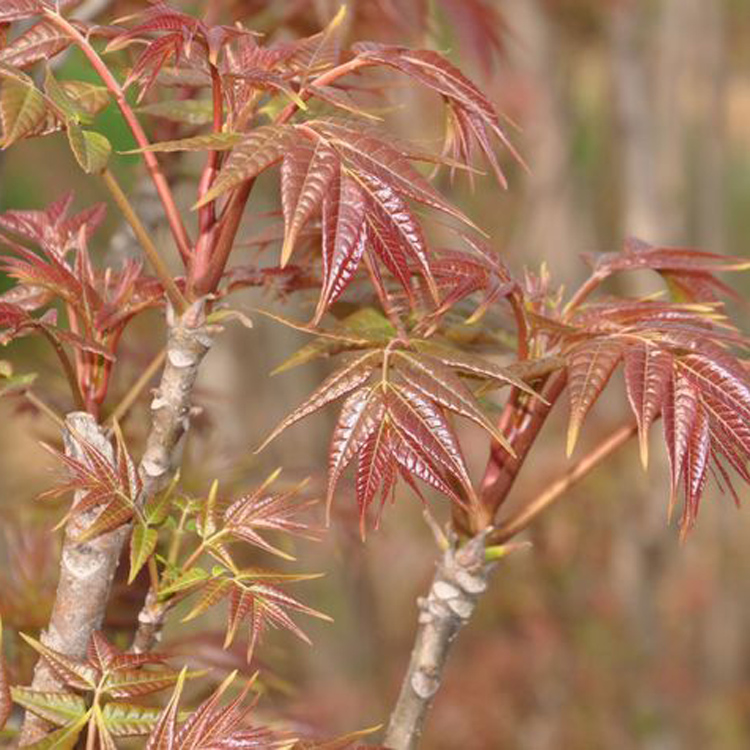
(460, 579)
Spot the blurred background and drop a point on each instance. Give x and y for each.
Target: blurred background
(634, 119)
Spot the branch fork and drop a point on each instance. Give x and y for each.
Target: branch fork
(87, 569)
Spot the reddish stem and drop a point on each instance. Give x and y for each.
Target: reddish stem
(152, 164)
(524, 422)
(583, 293)
(68, 369)
(523, 518)
(207, 213)
(207, 276)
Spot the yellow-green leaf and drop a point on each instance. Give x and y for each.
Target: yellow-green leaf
(68, 107)
(65, 738)
(142, 546)
(208, 512)
(187, 580)
(210, 141)
(57, 707)
(91, 150)
(185, 111)
(22, 109)
(89, 97)
(127, 719)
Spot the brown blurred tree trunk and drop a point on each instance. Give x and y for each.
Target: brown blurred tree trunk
(554, 227)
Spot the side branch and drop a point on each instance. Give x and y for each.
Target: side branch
(190, 338)
(518, 522)
(87, 569)
(86, 573)
(521, 427)
(461, 577)
(189, 341)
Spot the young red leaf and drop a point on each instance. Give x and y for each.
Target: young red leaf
(421, 424)
(344, 239)
(213, 726)
(367, 155)
(341, 382)
(162, 736)
(359, 418)
(590, 366)
(306, 173)
(100, 483)
(131, 683)
(439, 383)
(471, 364)
(374, 466)
(42, 41)
(648, 370)
(73, 673)
(419, 464)
(679, 414)
(249, 515)
(263, 147)
(471, 109)
(398, 233)
(695, 469)
(20, 10)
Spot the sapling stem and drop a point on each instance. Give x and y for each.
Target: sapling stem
(160, 268)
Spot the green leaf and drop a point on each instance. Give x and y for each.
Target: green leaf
(208, 512)
(67, 106)
(367, 323)
(22, 109)
(184, 111)
(91, 150)
(127, 719)
(88, 97)
(158, 506)
(211, 142)
(103, 734)
(187, 580)
(58, 707)
(65, 738)
(142, 546)
(16, 383)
